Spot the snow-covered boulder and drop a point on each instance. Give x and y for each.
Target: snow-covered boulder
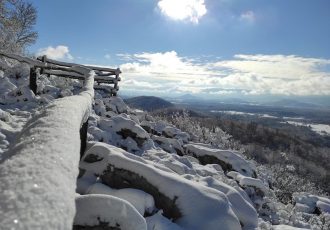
(115, 104)
(169, 144)
(172, 132)
(149, 126)
(206, 175)
(190, 205)
(143, 202)
(159, 222)
(308, 203)
(229, 160)
(122, 131)
(173, 162)
(246, 182)
(161, 128)
(241, 206)
(106, 212)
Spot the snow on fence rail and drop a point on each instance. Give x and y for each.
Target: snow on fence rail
(38, 174)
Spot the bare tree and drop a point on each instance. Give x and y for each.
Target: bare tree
(17, 19)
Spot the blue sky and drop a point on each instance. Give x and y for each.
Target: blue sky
(210, 47)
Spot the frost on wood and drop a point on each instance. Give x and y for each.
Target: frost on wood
(106, 212)
(229, 160)
(38, 174)
(192, 206)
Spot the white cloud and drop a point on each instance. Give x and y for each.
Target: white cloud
(248, 16)
(58, 52)
(191, 10)
(245, 74)
(107, 56)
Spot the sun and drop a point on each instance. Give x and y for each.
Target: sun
(191, 10)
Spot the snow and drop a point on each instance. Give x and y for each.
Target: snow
(168, 144)
(240, 205)
(165, 129)
(264, 115)
(237, 162)
(38, 173)
(248, 181)
(305, 202)
(121, 130)
(94, 210)
(203, 208)
(116, 104)
(321, 129)
(286, 227)
(159, 222)
(143, 202)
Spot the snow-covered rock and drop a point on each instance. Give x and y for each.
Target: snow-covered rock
(115, 104)
(192, 206)
(169, 144)
(246, 182)
(122, 131)
(143, 202)
(308, 203)
(285, 227)
(241, 206)
(229, 160)
(159, 222)
(106, 211)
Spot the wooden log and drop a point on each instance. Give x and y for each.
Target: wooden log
(67, 64)
(33, 80)
(62, 73)
(36, 63)
(102, 79)
(83, 138)
(107, 88)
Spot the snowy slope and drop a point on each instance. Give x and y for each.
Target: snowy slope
(138, 173)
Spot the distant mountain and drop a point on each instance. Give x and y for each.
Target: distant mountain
(188, 97)
(233, 100)
(293, 103)
(148, 103)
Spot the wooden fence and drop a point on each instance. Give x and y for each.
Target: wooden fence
(107, 79)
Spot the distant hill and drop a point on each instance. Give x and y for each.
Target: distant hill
(179, 110)
(188, 97)
(148, 103)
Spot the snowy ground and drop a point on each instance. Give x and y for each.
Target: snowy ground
(142, 173)
(318, 128)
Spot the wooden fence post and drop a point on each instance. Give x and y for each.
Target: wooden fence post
(83, 138)
(115, 86)
(33, 80)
